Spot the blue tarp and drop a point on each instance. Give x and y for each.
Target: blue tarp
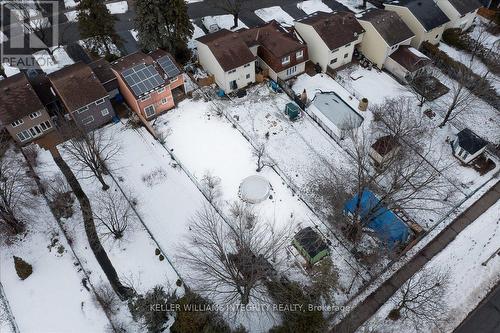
(383, 221)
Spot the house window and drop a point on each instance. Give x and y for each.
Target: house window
(105, 112)
(333, 51)
(35, 131)
(291, 70)
(247, 65)
(35, 114)
(299, 54)
(17, 123)
(99, 101)
(164, 100)
(45, 125)
(346, 55)
(24, 135)
(232, 71)
(333, 61)
(248, 76)
(437, 36)
(82, 110)
(145, 97)
(174, 79)
(161, 90)
(149, 111)
(87, 120)
(348, 44)
(285, 60)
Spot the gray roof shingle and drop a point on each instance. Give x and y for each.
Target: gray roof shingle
(384, 22)
(426, 12)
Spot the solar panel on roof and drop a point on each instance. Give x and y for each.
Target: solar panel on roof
(142, 78)
(168, 66)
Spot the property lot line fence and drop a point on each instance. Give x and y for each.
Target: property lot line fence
(288, 182)
(69, 242)
(8, 311)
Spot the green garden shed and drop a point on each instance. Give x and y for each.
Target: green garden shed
(311, 245)
(292, 110)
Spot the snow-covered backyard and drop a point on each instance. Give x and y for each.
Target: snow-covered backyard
(470, 279)
(51, 63)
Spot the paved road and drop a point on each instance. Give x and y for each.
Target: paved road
(381, 295)
(486, 317)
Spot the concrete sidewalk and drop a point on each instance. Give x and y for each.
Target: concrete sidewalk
(381, 295)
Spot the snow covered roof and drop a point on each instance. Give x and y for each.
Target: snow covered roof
(470, 141)
(335, 110)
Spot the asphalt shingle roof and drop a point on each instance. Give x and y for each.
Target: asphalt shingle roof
(384, 22)
(426, 12)
(465, 6)
(470, 141)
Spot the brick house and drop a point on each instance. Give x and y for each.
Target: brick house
(150, 83)
(82, 95)
(21, 111)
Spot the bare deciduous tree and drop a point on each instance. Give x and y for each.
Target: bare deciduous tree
(92, 154)
(211, 187)
(113, 214)
(15, 198)
(263, 159)
(231, 259)
(421, 299)
(232, 7)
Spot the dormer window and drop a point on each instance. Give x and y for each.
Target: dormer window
(299, 54)
(35, 115)
(17, 123)
(285, 60)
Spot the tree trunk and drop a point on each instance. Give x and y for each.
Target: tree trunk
(95, 244)
(446, 117)
(235, 20)
(105, 186)
(14, 225)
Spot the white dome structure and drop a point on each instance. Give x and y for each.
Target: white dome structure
(254, 189)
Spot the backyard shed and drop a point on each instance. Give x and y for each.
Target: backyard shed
(311, 245)
(467, 145)
(292, 110)
(386, 224)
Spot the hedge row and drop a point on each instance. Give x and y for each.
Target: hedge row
(463, 41)
(478, 85)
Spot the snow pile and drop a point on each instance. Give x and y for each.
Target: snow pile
(117, 7)
(70, 3)
(254, 189)
(227, 22)
(275, 13)
(10, 70)
(50, 64)
(72, 16)
(3, 38)
(312, 6)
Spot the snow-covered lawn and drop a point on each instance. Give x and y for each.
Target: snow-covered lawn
(470, 281)
(54, 285)
(120, 7)
(10, 70)
(58, 60)
(312, 6)
(275, 13)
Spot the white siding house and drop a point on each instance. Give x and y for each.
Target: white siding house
(460, 12)
(330, 37)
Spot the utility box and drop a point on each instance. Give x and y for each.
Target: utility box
(292, 110)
